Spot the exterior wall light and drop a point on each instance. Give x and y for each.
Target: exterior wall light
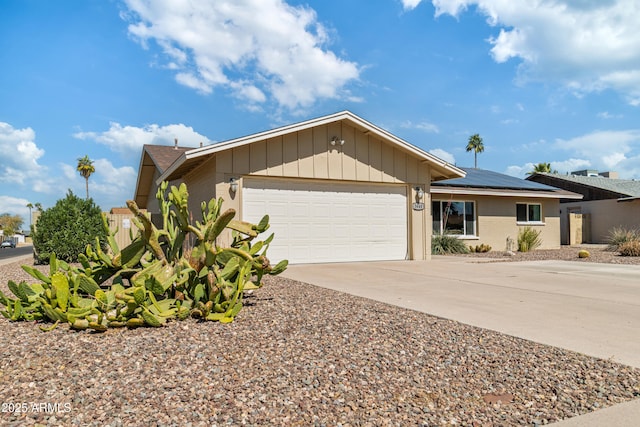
(335, 140)
(233, 185)
(419, 193)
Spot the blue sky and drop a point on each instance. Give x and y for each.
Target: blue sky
(540, 81)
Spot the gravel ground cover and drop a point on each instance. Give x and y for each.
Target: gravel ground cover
(597, 253)
(297, 355)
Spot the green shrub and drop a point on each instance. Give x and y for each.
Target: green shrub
(442, 244)
(631, 248)
(621, 235)
(528, 239)
(67, 228)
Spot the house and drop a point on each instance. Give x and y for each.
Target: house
(336, 188)
(608, 202)
(490, 208)
(154, 161)
(120, 221)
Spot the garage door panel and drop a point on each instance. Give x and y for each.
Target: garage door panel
(328, 222)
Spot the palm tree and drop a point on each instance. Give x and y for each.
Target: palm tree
(475, 145)
(85, 168)
(30, 206)
(541, 168)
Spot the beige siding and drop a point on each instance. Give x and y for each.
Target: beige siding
(362, 157)
(275, 159)
(349, 166)
(309, 154)
(289, 155)
(305, 154)
(124, 225)
(258, 158)
(604, 215)
(201, 185)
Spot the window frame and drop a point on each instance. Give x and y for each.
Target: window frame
(442, 205)
(527, 210)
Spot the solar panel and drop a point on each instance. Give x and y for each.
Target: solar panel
(481, 178)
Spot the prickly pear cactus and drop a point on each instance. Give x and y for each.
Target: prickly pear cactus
(160, 276)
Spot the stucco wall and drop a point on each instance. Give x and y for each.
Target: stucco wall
(309, 154)
(496, 220)
(604, 216)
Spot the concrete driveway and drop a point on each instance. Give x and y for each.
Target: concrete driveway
(585, 307)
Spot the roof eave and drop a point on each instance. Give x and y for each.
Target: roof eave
(504, 192)
(445, 169)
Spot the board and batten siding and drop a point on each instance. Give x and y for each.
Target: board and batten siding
(308, 154)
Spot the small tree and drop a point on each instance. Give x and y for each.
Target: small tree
(475, 144)
(86, 169)
(67, 228)
(10, 224)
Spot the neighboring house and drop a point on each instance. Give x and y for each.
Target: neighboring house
(491, 208)
(336, 188)
(120, 220)
(154, 161)
(608, 202)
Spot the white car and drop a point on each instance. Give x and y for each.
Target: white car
(7, 244)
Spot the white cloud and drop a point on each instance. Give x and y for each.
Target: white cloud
(562, 167)
(131, 139)
(519, 171)
(617, 151)
(410, 4)
(450, 7)
(600, 144)
(258, 49)
(586, 46)
(607, 151)
(444, 155)
(607, 115)
(15, 206)
(19, 155)
(423, 126)
(570, 165)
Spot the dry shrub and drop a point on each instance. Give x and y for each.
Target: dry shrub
(631, 248)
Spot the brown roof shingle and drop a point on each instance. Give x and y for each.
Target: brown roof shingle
(164, 155)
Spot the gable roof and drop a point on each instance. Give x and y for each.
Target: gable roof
(610, 188)
(154, 158)
(191, 158)
(486, 182)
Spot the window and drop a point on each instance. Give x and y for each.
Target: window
(528, 212)
(453, 217)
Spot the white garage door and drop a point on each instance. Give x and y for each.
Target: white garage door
(329, 222)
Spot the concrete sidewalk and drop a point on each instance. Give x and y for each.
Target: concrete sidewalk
(585, 307)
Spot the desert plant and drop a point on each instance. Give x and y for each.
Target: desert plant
(482, 248)
(442, 244)
(630, 248)
(619, 235)
(159, 276)
(67, 228)
(528, 239)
